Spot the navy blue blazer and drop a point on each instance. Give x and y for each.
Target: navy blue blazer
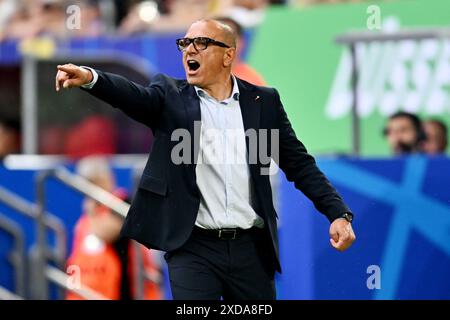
(165, 207)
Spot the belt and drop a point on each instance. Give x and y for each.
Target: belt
(223, 234)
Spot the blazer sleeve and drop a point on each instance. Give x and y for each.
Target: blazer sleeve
(300, 167)
(142, 103)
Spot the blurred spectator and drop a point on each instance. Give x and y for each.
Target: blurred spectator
(95, 134)
(36, 17)
(404, 133)
(91, 22)
(52, 139)
(94, 233)
(106, 263)
(7, 9)
(248, 13)
(9, 137)
(145, 16)
(31, 18)
(436, 141)
(240, 68)
(122, 7)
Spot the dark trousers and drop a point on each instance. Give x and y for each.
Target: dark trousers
(208, 268)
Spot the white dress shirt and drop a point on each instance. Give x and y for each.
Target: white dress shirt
(223, 176)
(222, 171)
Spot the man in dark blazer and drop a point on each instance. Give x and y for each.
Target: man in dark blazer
(215, 219)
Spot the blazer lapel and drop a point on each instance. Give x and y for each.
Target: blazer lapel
(250, 104)
(192, 106)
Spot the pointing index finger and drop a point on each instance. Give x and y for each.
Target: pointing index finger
(67, 68)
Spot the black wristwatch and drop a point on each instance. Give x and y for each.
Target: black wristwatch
(347, 216)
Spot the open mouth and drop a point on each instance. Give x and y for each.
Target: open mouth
(193, 65)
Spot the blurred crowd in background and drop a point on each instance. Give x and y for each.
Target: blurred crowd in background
(21, 19)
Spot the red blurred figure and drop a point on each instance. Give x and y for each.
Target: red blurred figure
(96, 134)
(107, 263)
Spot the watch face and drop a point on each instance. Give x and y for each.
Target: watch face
(347, 217)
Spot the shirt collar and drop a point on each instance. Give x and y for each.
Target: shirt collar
(234, 94)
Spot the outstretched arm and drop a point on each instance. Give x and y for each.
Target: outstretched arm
(141, 103)
(72, 76)
(300, 167)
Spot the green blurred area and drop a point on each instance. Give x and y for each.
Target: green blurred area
(296, 52)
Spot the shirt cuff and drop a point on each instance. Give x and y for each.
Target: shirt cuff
(91, 84)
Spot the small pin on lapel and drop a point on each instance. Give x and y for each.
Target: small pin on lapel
(257, 98)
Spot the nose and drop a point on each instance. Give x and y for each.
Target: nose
(190, 48)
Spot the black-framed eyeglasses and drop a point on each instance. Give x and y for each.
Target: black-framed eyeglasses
(200, 43)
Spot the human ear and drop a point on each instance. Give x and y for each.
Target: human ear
(228, 56)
